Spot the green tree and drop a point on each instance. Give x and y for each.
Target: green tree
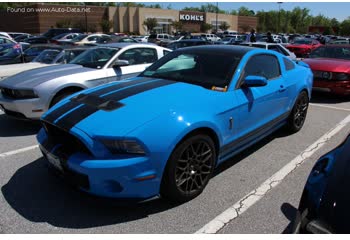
(345, 27)
(177, 25)
(106, 25)
(195, 9)
(243, 11)
(224, 26)
(328, 31)
(150, 23)
(206, 27)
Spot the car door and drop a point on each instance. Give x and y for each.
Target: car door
(139, 59)
(261, 108)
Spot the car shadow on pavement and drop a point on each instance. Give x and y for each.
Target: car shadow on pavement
(10, 127)
(250, 150)
(39, 196)
(318, 97)
(289, 211)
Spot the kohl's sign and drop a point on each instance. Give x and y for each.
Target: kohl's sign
(191, 17)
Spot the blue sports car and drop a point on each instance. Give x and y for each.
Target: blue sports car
(164, 132)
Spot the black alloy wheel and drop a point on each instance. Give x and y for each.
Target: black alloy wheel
(298, 115)
(189, 169)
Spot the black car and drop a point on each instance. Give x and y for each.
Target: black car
(51, 33)
(325, 203)
(10, 54)
(35, 50)
(187, 43)
(59, 55)
(112, 39)
(22, 37)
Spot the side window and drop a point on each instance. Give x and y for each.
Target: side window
(289, 64)
(139, 56)
(92, 38)
(262, 65)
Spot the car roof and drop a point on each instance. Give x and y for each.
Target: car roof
(123, 45)
(236, 50)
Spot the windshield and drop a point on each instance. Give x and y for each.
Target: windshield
(331, 52)
(79, 38)
(204, 69)
(60, 36)
(10, 51)
(47, 56)
(303, 41)
(95, 57)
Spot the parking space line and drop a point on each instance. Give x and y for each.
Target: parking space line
(254, 196)
(330, 107)
(10, 153)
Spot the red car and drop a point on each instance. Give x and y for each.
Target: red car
(331, 67)
(303, 46)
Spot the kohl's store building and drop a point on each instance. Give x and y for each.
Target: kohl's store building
(130, 19)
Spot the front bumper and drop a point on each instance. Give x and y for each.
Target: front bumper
(132, 177)
(26, 108)
(336, 87)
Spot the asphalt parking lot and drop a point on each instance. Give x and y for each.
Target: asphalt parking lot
(34, 201)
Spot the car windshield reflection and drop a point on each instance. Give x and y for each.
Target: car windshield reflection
(203, 69)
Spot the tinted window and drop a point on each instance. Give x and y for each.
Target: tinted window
(204, 69)
(289, 64)
(331, 52)
(139, 56)
(95, 57)
(262, 65)
(47, 56)
(165, 52)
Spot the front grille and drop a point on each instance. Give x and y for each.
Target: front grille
(68, 143)
(15, 114)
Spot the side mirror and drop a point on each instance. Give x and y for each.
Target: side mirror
(254, 81)
(120, 63)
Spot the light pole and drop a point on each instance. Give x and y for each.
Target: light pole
(217, 12)
(85, 17)
(279, 16)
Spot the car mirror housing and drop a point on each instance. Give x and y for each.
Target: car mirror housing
(255, 81)
(120, 63)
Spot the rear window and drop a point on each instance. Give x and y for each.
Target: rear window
(153, 36)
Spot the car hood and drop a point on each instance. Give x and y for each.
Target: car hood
(16, 68)
(134, 108)
(34, 77)
(328, 64)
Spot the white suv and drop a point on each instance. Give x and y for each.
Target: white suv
(160, 39)
(211, 37)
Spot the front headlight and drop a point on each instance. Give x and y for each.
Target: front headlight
(327, 75)
(124, 146)
(24, 94)
(342, 76)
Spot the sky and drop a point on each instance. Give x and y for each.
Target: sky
(338, 10)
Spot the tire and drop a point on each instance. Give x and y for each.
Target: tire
(298, 114)
(189, 169)
(61, 96)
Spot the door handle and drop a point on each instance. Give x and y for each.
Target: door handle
(282, 88)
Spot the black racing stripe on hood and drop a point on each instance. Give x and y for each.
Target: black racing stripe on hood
(51, 117)
(119, 86)
(71, 119)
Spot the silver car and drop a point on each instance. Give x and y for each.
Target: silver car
(31, 93)
(272, 46)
